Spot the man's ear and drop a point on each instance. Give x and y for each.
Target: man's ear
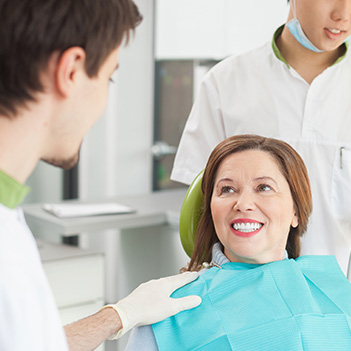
(70, 65)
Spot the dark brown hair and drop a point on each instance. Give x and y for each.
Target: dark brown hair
(292, 168)
(32, 30)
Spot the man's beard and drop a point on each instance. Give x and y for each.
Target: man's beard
(63, 163)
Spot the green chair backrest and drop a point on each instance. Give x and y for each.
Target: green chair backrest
(190, 214)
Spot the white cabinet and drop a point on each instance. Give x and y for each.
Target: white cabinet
(189, 29)
(214, 29)
(76, 278)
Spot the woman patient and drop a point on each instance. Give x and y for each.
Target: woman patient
(257, 293)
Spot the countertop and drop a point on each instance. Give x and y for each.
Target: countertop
(157, 208)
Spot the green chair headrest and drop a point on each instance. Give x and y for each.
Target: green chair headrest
(190, 214)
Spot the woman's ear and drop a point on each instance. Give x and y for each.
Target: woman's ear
(295, 221)
(70, 65)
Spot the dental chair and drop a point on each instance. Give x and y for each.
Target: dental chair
(190, 215)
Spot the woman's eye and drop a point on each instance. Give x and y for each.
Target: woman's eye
(227, 189)
(264, 187)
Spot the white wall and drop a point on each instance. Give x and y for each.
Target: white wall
(116, 157)
(45, 183)
(214, 29)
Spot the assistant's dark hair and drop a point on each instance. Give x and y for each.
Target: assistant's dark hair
(32, 30)
(293, 169)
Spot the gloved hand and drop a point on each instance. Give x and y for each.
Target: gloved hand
(151, 302)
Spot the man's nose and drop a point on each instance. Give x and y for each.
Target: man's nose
(341, 11)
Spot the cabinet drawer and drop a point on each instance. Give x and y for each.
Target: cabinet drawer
(76, 280)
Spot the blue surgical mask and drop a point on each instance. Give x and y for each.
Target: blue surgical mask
(296, 30)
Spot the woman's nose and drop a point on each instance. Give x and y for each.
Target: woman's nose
(341, 11)
(244, 202)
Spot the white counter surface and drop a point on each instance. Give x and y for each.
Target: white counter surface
(157, 208)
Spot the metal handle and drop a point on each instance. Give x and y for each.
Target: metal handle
(161, 149)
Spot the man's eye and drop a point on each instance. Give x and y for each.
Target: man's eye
(264, 187)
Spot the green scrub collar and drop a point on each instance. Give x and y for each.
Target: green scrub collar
(279, 56)
(12, 192)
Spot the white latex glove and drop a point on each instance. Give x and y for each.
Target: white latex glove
(151, 302)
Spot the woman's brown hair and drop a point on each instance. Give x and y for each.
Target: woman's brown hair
(292, 168)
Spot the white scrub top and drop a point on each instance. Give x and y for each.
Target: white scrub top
(29, 318)
(257, 93)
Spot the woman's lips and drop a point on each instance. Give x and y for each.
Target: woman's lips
(245, 227)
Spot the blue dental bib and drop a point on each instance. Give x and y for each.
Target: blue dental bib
(290, 305)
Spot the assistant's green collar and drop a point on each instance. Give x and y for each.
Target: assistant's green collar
(12, 192)
(276, 51)
(279, 56)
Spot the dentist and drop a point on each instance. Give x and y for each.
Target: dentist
(56, 59)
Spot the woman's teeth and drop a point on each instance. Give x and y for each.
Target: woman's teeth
(246, 227)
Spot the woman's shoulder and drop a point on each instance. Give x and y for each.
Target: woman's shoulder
(322, 267)
(319, 263)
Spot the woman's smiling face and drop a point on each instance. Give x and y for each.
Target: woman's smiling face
(252, 207)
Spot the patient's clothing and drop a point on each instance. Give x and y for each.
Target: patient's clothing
(302, 304)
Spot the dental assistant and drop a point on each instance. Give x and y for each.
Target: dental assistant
(56, 61)
(296, 88)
